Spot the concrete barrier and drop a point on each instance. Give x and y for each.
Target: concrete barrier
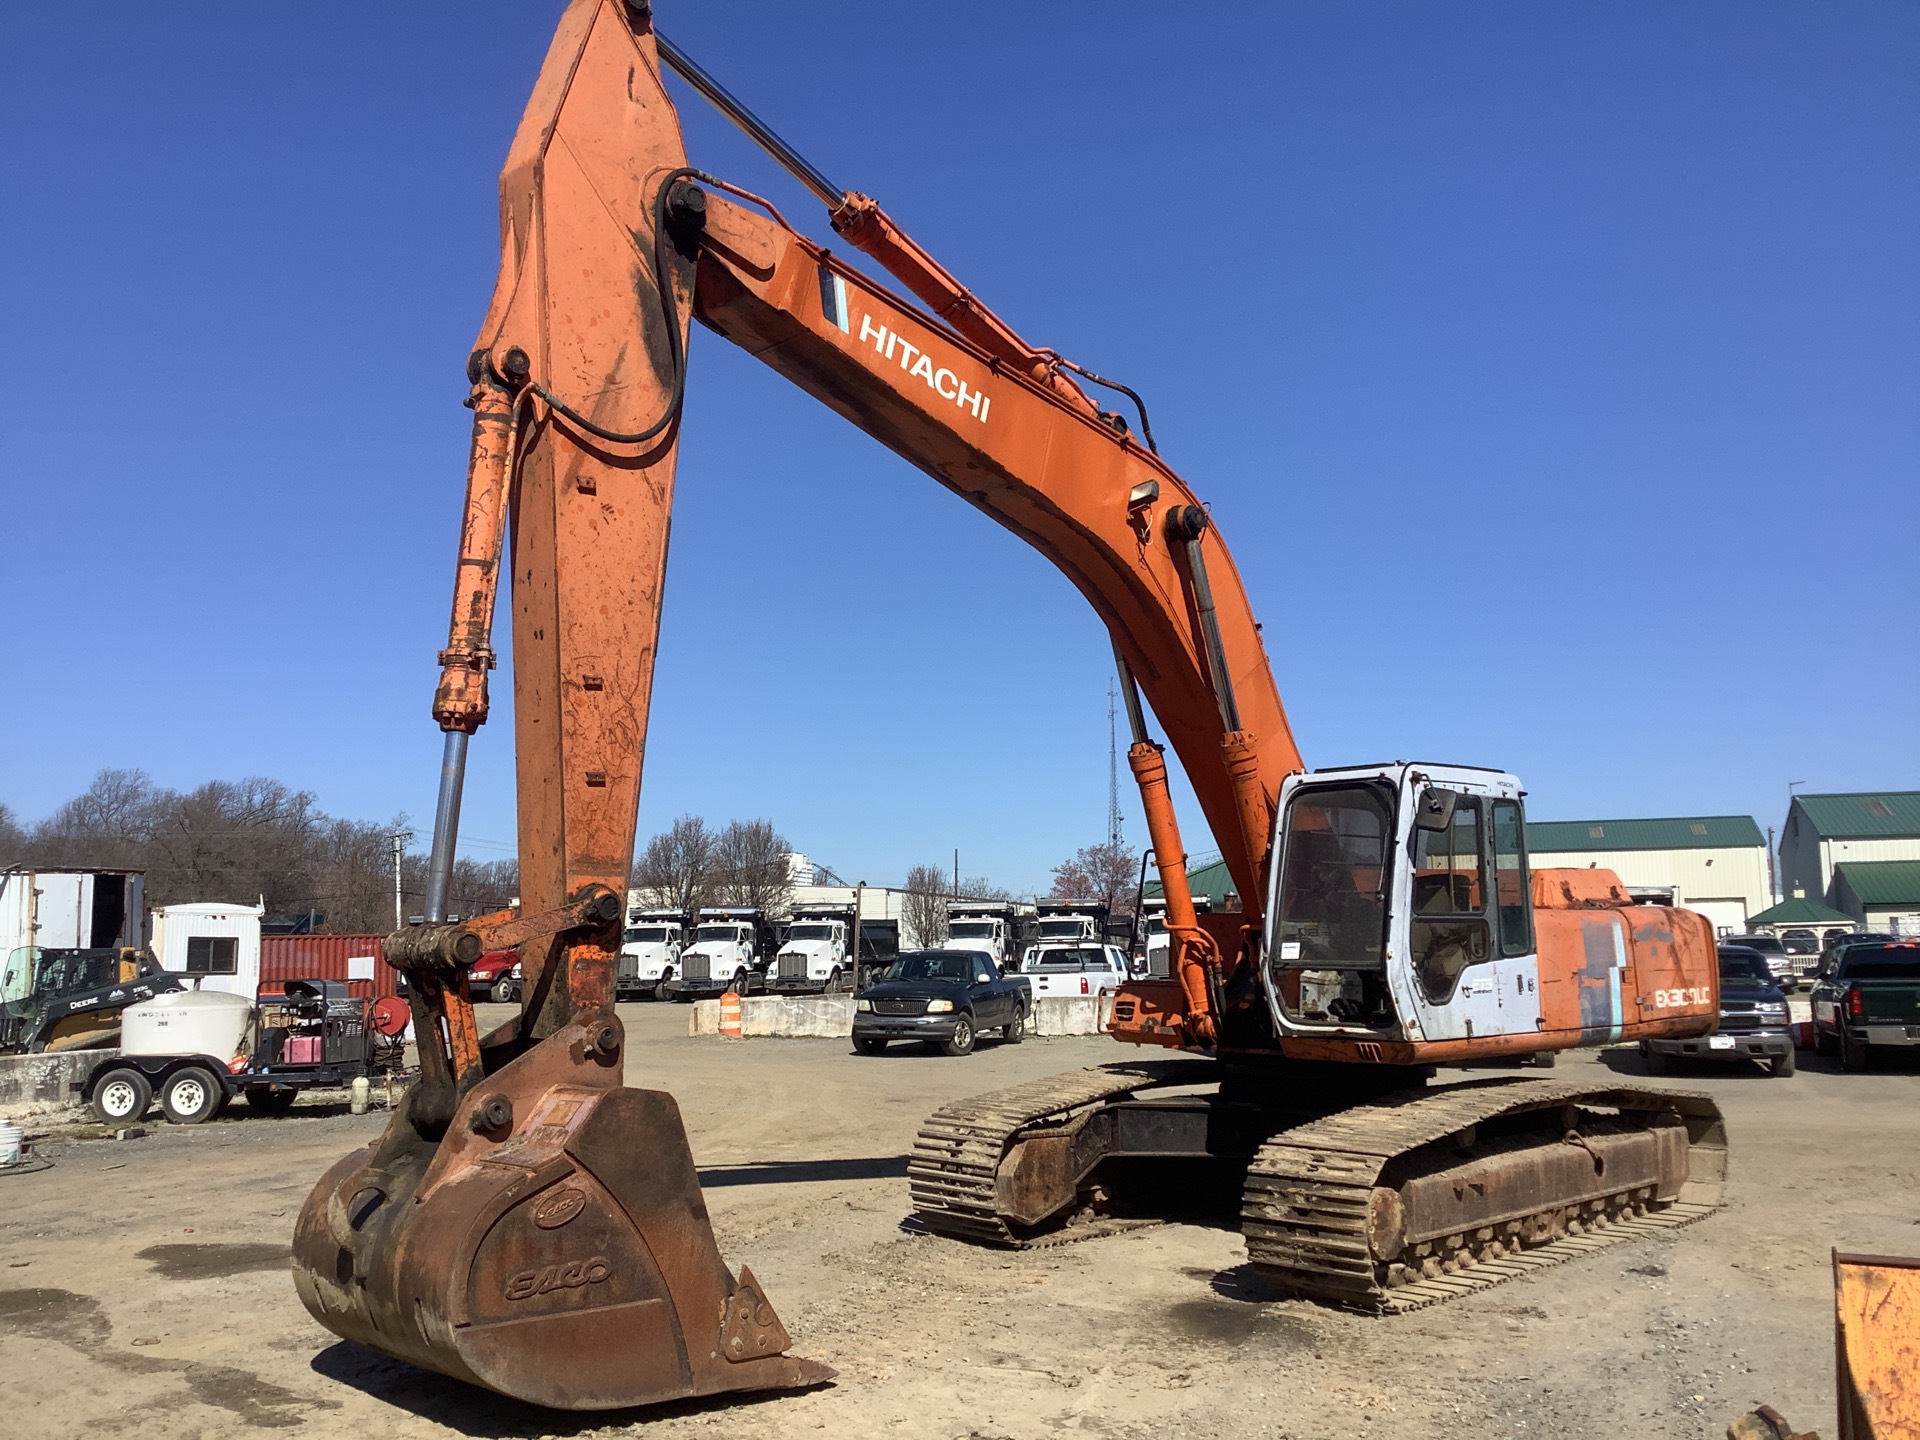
(831, 1016)
(1071, 1014)
(30, 1083)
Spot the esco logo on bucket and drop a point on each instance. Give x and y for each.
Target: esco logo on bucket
(570, 1276)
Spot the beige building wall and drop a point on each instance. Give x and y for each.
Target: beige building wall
(1726, 885)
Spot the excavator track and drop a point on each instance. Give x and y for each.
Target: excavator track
(956, 1157)
(1310, 1209)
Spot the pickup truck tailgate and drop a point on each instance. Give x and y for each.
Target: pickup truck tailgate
(1890, 1002)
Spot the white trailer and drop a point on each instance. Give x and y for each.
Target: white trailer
(53, 908)
(210, 945)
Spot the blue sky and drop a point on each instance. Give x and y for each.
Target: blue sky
(1553, 372)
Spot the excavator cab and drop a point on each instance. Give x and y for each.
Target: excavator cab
(1400, 907)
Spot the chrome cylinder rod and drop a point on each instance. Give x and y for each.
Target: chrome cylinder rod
(446, 824)
(757, 130)
(1130, 697)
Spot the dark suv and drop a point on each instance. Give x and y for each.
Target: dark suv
(1753, 1019)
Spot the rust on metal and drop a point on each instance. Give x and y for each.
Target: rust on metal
(1876, 1317)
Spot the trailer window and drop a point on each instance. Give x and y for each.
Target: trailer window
(212, 955)
(1333, 881)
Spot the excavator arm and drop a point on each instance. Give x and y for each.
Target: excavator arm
(525, 1209)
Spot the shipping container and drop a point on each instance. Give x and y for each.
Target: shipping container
(360, 961)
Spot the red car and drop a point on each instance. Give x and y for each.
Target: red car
(496, 976)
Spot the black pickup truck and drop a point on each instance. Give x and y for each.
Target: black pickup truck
(1866, 997)
(944, 998)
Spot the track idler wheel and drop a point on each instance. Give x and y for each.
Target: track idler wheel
(551, 1245)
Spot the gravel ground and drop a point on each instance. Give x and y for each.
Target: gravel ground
(144, 1287)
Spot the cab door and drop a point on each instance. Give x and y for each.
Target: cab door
(1470, 970)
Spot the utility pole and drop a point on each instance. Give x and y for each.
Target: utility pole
(1773, 879)
(956, 873)
(859, 901)
(1113, 772)
(400, 838)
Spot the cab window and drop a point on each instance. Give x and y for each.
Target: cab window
(1333, 878)
(1512, 891)
(1449, 924)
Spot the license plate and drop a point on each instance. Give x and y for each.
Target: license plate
(1720, 1042)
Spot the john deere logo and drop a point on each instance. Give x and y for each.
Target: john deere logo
(557, 1209)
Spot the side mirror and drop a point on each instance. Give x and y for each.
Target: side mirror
(1436, 808)
(983, 978)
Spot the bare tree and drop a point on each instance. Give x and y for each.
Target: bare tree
(752, 868)
(676, 868)
(1108, 873)
(923, 909)
(13, 836)
(978, 887)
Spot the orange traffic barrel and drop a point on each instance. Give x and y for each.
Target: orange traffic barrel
(730, 1016)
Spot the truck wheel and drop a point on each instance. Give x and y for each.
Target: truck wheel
(868, 1045)
(1823, 1043)
(121, 1097)
(663, 991)
(1781, 1066)
(270, 1099)
(1544, 1059)
(190, 1095)
(961, 1041)
(1853, 1055)
(1656, 1061)
(502, 992)
(1016, 1029)
(833, 983)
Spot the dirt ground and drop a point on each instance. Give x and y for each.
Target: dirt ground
(144, 1287)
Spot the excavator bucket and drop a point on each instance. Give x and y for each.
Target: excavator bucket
(551, 1244)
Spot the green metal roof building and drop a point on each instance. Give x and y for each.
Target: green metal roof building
(1881, 894)
(1822, 832)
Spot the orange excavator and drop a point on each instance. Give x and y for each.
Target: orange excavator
(528, 1223)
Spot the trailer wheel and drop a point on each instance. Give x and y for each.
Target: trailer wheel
(190, 1095)
(122, 1096)
(270, 1099)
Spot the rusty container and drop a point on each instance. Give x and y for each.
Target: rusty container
(325, 957)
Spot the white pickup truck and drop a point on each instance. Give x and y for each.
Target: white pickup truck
(1084, 969)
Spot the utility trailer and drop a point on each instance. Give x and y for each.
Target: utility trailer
(194, 1050)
